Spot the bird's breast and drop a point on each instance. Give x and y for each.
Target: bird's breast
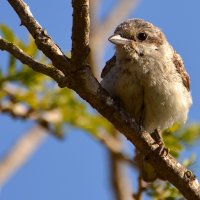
(149, 92)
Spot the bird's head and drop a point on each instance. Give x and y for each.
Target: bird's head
(136, 39)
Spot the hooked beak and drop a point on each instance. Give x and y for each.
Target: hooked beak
(117, 39)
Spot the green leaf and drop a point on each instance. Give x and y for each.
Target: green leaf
(172, 143)
(7, 33)
(12, 65)
(191, 134)
(31, 48)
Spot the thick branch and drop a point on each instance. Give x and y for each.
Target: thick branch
(80, 39)
(28, 60)
(84, 83)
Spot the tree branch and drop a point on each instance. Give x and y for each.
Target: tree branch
(100, 99)
(42, 39)
(142, 186)
(80, 39)
(117, 15)
(119, 177)
(23, 149)
(114, 145)
(44, 119)
(21, 111)
(84, 83)
(52, 72)
(120, 182)
(101, 31)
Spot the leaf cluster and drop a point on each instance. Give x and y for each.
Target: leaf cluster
(177, 140)
(40, 94)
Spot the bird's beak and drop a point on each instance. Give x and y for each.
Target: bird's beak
(119, 40)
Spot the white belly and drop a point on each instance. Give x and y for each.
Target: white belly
(158, 102)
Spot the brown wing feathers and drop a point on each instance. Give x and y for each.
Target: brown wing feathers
(181, 70)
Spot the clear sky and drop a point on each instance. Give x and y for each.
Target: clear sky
(77, 168)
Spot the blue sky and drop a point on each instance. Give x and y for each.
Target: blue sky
(78, 166)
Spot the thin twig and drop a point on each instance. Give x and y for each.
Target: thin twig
(52, 72)
(42, 39)
(142, 186)
(19, 110)
(44, 119)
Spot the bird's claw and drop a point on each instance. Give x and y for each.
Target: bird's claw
(163, 151)
(156, 135)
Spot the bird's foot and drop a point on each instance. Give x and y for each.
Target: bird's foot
(156, 135)
(163, 151)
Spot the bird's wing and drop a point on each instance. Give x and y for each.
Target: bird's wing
(109, 64)
(178, 62)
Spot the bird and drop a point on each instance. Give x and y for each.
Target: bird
(148, 77)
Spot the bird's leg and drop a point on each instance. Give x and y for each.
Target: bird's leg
(141, 119)
(156, 135)
(147, 171)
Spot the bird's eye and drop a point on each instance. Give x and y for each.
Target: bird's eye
(142, 36)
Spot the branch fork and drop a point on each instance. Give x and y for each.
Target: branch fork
(74, 74)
